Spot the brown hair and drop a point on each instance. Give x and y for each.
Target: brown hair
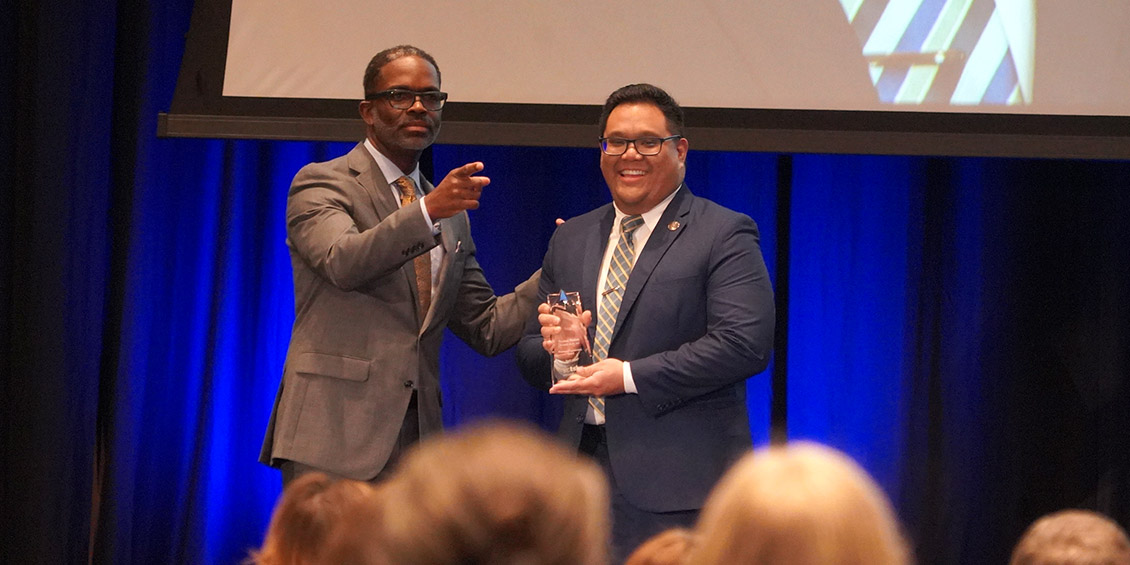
(802, 504)
(495, 494)
(1073, 537)
(306, 516)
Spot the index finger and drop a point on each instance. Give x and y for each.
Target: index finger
(468, 169)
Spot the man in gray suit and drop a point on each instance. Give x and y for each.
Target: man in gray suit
(383, 262)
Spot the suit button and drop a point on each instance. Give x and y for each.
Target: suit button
(580, 419)
(408, 384)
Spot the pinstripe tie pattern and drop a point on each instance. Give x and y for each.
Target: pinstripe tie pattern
(936, 51)
(615, 281)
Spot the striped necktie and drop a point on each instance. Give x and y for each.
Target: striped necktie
(936, 51)
(615, 281)
(423, 261)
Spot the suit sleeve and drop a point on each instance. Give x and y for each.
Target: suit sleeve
(533, 360)
(490, 324)
(740, 318)
(321, 228)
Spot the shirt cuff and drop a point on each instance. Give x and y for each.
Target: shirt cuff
(629, 382)
(428, 219)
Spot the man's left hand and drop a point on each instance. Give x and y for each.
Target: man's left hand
(603, 378)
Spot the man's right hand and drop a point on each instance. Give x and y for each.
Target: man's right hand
(551, 326)
(459, 190)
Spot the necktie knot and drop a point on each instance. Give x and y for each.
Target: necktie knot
(407, 189)
(630, 224)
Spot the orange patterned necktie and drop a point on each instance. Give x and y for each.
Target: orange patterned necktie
(423, 261)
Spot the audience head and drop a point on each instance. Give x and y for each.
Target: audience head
(669, 547)
(495, 494)
(801, 504)
(309, 513)
(1073, 537)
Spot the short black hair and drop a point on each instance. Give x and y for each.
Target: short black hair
(373, 71)
(649, 94)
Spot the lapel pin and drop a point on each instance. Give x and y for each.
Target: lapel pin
(674, 225)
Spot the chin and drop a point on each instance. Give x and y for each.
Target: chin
(418, 143)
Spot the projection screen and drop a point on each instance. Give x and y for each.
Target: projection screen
(1043, 78)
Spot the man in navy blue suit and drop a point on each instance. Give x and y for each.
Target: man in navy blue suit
(689, 316)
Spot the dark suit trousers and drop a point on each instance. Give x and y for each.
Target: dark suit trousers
(631, 526)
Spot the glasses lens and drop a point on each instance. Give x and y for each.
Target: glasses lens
(405, 99)
(614, 145)
(432, 100)
(648, 145)
(400, 99)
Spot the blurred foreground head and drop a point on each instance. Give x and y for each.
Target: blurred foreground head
(1073, 537)
(497, 493)
(669, 547)
(308, 515)
(800, 504)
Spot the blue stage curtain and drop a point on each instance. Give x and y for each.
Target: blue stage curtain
(959, 326)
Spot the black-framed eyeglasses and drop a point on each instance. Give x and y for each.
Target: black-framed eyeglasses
(646, 146)
(401, 99)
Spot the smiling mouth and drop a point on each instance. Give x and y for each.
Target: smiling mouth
(632, 173)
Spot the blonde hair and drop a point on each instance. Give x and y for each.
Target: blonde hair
(801, 504)
(669, 547)
(306, 516)
(495, 494)
(1073, 537)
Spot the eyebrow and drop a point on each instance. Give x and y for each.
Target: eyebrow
(405, 87)
(644, 134)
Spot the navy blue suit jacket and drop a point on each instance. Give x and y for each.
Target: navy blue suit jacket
(696, 321)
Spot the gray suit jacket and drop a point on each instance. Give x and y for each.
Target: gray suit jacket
(358, 347)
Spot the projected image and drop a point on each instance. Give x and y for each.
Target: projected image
(954, 56)
(956, 52)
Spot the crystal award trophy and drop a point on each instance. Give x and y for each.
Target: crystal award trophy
(571, 344)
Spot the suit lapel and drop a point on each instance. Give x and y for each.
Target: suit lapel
(676, 215)
(370, 177)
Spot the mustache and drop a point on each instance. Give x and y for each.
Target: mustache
(419, 122)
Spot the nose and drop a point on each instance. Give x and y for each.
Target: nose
(417, 106)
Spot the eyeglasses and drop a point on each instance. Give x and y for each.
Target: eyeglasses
(432, 100)
(646, 146)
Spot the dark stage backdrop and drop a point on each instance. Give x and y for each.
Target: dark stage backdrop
(960, 326)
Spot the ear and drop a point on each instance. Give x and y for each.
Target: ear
(365, 108)
(681, 145)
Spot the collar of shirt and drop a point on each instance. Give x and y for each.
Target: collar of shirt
(650, 219)
(391, 172)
